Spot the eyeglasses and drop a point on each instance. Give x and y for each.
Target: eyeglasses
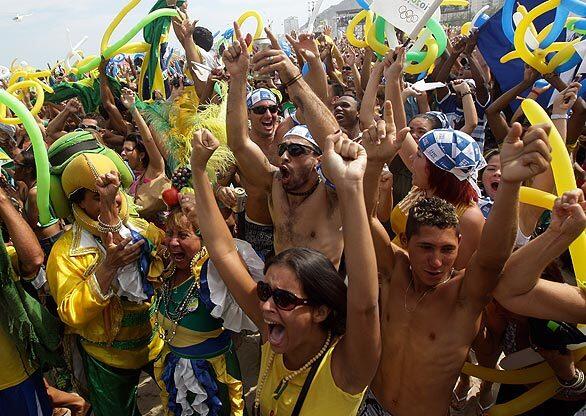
(283, 299)
(294, 149)
(261, 109)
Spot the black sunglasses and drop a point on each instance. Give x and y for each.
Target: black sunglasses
(261, 109)
(283, 299)
(294, 149)
(88, 127)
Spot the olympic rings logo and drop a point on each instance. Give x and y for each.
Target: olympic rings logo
(407, 15)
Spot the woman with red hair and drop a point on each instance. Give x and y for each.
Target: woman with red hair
(446, 165)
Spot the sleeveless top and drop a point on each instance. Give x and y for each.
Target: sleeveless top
(324, 397)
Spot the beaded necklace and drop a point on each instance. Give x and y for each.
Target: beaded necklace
(165, 295)
(285, 381)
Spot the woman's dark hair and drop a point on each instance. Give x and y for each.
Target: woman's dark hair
(436, 123)
(28, 160)
(320, 281)
(139, 145)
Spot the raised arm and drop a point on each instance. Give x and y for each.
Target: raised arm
(29, 251)
(523, 292)
(369, 100)
(470, 115)
(216, 235)
(521, 159)
(56, 126)
(251, 160)
(382, 143)
(318, 118)
(344, 162)
(184, 31)
(116, 120)
(496, 120)
(306, 47)
(156, 162)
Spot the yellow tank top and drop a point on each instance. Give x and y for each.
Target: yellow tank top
(400, 212)
(323, 398)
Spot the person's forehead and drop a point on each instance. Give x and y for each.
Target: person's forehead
(88, 121)
(428, 234)
(282, 277)
(346, 99)
(296, 139)
(264, 103)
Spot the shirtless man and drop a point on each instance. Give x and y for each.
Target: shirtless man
(262, 115)
(303, 209)
(430, 313)
(346, 109)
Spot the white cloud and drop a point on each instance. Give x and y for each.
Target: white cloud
(41, 38)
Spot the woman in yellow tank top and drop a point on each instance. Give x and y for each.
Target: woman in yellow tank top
(321, 340)
(446, 165)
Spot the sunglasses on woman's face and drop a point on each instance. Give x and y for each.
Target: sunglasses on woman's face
(294, 149)
(283, 299)
(261, 109)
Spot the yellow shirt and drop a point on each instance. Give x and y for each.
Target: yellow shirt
(324, 397)
(14, 369)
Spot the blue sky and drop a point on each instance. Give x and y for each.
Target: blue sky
(42, 38)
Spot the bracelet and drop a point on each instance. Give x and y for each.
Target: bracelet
(106, 228)
(465, 94)
(293, 80)
(559, 116)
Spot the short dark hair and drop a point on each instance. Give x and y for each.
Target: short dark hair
(28, 160)
(137, 140)
(203, 38)
(431, 212)
(321, 283)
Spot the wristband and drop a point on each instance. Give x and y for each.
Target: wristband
(293, 80)
(559, 116)
(465, 94)
(535, 92)
(106, 228)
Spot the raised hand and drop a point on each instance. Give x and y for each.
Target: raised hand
(204, 144)
(568, 215)
(127, 98)
(344, 161)
(460, 86)
(73, 106)
(236, 57)
(381, 141)
(524, 157)
(303, 44)
(108, 185)
(120, 254)
(566, 98)
(394, 63)
(274, 59)
(187, 204)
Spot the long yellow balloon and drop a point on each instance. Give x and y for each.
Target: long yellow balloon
(112, 26)
(365, 15)
(565, 180)
(36, 108)
(430, 56)
(259, 24)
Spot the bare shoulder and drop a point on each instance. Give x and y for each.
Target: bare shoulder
(472, 217)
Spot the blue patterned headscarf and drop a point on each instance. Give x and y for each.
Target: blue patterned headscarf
(454, 151)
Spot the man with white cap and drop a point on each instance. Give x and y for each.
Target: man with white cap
(431, 312)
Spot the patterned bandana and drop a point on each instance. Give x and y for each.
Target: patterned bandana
(455, 152)
(441, 117)
(302, 131)
(261, 94)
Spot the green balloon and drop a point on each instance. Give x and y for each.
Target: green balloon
(41, 158)
(112, 49)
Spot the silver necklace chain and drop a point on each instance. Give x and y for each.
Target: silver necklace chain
(424, 293)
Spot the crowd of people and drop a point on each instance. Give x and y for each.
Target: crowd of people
(371, 232)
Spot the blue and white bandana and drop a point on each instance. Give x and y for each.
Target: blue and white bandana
(261, 94)
(455, 152)
(441, 117)
(302, 131)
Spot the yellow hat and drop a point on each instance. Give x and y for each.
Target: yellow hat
(83, 172)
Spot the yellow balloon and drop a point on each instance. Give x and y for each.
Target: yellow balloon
(430, 56)
(565, 180)
(112, 26)
(365, 15)
(259, 24)
(465, 30)
(373, 42)
(135, 47)
(457, 3)
(563, 55)
(36, 108)
(536, 197)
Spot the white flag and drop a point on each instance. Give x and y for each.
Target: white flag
(408, 16)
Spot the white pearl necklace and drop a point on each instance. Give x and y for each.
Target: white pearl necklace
(285, 381)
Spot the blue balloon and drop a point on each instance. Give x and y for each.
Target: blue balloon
(228, 33)
(507, 20)
(559, 22)
(540, 83)
(578, 7)
(216, 34)
(363, 4)
(571, 63)
(482, 19)
(285, 47)
(305, 69)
